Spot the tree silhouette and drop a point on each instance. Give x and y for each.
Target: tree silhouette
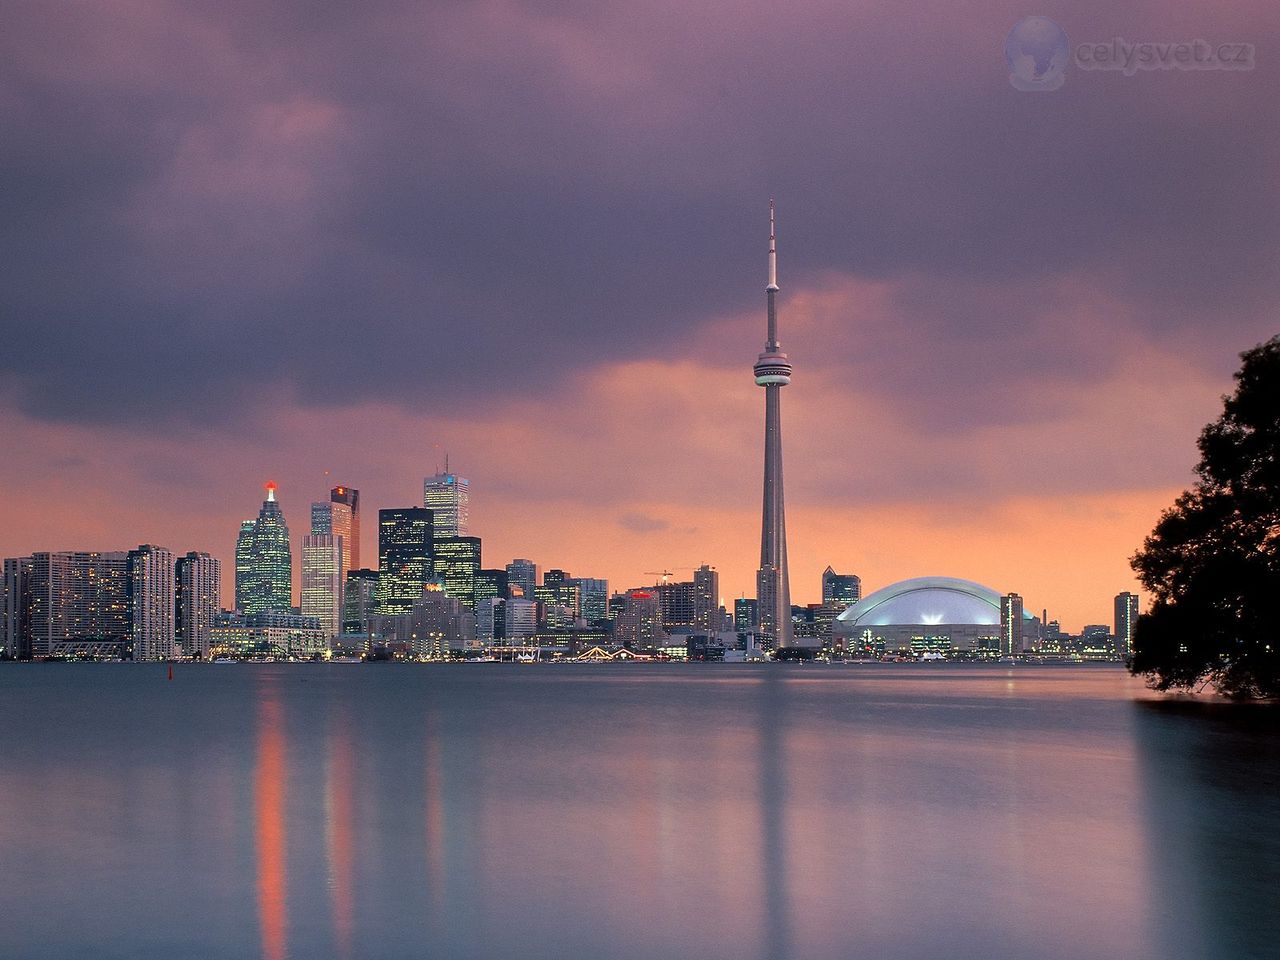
(1212, 564)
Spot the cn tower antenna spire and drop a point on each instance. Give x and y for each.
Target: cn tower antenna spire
(773, 252)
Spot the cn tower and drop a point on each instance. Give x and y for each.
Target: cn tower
(773, 372)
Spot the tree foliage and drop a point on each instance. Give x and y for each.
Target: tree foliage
(1212, 564)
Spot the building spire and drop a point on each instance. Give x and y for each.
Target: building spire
(773, 252)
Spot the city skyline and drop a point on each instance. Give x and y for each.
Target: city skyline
(270, 269)
(704, 579)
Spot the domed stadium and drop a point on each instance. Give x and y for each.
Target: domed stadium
(929, 615)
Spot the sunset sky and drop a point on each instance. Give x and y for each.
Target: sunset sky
(328, 243)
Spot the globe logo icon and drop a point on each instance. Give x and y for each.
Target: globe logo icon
(1037, 53)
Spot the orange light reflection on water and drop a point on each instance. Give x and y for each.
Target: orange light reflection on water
(269, 789)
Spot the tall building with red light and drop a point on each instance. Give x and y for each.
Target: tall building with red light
(267, 579)
(351, 497)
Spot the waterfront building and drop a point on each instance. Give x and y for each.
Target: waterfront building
(927, 615)
(271, 633)
(1096, 642)
(405, 557)
(67, 604)
(773, 372)
(448, 497)
(1126, 618)
(268, 579)
(1011, 625)
(197, 600)
(706, 599)
(151, 577)
(434, 625)
(351, 498)
(15, 609)
(323, 580)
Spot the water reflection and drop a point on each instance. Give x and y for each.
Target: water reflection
(632, 813)
(340, 827)
(771, 732)
(270, 777)
(1211, 780)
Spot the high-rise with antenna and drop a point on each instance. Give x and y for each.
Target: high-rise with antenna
(448, 497)
(773, 372)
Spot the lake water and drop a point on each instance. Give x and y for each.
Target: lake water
(630, 811)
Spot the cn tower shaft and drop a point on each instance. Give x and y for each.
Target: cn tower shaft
(773, 372)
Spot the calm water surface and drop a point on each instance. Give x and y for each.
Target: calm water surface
(293, 812)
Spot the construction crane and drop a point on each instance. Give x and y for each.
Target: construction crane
(665, 574)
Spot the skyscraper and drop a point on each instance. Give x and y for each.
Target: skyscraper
(840, 589)
(457, 564)
(151, 603)
(706, 599)
(522, 574)
(521, 618)
(322, 580)
(1010, 625)
(405, 557)
(448, 497)
(839, 592)
(773, 372)
(350, 497)
(491, 583)
(244, 562)
(328, 516)
(198, 597)
(593, 599)
(677, 603)
(15, 610)
(268, 576)
(1125, 620)
(491, 619)
(639, 625)
(746, 614)
(359, 601)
